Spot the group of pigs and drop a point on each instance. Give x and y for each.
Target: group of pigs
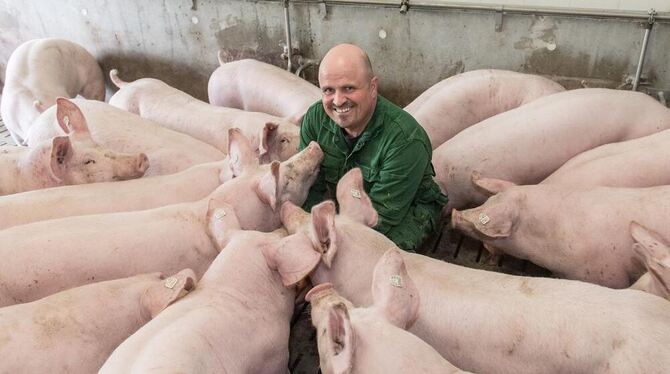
(196, 266)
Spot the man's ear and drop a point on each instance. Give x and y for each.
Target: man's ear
(323, 233)
(61, 153)
(70, 118)
(341, 343)
(241, 156)
(268, 186)
(393, 292)
(353, 200)
(489, 186)
(293, 257)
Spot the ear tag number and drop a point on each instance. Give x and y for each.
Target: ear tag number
(66, 121)
(484, 219)
(171, 282)
(355, 193)
(396, 281)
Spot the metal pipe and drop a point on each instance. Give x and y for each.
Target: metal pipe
(643, 52)
(287, 24)
(304, 63)
(508, 9)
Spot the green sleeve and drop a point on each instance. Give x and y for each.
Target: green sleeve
(307, 134)
(399, 180)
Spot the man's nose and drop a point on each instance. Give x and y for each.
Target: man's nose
(339, 98)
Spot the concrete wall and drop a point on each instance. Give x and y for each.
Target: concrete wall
(177, 40)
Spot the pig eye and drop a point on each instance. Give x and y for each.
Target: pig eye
(284, 140)
(89, 162)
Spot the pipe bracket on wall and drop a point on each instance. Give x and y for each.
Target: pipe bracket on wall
(645, 41)
(323, 10)
(499, 19)
(404, 6)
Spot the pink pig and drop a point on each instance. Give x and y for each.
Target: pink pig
(525, 145)
(65, 160)
(45, 257)
(237, 321)
(76, 330)
(274, 137)
(259, 87)
(577, 233)
(483, 321)
(373, 339)
(168, 151)
(453, 104)
(109, 197)
(39, 71)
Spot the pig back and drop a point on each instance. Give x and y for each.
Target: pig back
(527, 144)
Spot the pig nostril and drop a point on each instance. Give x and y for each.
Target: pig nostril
(143, 163)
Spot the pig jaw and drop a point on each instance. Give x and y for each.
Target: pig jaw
(298, 173)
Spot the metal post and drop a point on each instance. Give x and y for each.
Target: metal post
(288, 51)
(645, 41)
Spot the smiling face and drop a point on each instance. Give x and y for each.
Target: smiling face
(348, 87)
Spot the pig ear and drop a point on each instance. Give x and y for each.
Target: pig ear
(292, 217)
(267, 188)
(494, 228)
(61, 152)
(393, 292)
(654, 253)
(341, 342)
(171, 289)
(221, 220)
(70, 118)
(489, 186)
(353, 200)
(323, 233)
(268, 132)
(293, 257)
(242, 156)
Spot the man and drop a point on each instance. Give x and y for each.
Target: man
(355, 127)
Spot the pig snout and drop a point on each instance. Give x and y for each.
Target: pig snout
(314, 150)
(131, 167)
(460, 220)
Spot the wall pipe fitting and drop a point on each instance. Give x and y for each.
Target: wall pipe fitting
(438, 4)
(645, 41)
(287, 24)
(304, 63)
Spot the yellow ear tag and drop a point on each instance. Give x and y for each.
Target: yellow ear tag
(171, 282)
(484, 219)
(396, 281)
(355, 193)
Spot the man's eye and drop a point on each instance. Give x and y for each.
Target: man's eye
(327, 91)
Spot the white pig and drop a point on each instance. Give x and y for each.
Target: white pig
(373, 339)
(76, 330)
(488, 322)
(168, 151)
(39, 71)
(256, 86)
(45, 257)
(462, 100)
(109, 197)
(65, 160)
(526, 144)
(274, 137)
(237, 321)
(576, 233)
(654, 252)
(639, 162)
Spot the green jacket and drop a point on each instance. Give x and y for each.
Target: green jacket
(394, 154)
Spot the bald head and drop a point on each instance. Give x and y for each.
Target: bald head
(347, 56)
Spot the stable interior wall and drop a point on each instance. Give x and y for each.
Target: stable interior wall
(178, 40)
